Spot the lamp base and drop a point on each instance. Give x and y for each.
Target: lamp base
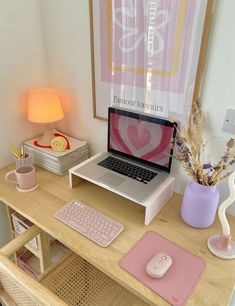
(46, 138)
(222, 246)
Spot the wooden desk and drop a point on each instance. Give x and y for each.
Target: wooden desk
(217, 282)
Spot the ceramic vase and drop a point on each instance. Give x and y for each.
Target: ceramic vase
(199, 205)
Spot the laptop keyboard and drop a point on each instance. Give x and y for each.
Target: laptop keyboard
(135, 172)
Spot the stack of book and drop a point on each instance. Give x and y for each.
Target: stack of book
(58, 162)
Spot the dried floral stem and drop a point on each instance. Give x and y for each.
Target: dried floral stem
(190, 148)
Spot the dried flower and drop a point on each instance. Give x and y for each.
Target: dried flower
(230, 143)
(207, 166)
(190, 148)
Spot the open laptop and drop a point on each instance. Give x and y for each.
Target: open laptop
(139, 156)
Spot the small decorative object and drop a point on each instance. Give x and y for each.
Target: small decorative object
(201, 197)
(44, 107)
(21, 158)
(58, 144)
(49, 146)
(221, 245)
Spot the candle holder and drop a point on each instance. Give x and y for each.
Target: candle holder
(222, 245)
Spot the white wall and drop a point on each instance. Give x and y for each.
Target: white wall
(22, 65)
(68, 51)
(67, 35)
(219, 79)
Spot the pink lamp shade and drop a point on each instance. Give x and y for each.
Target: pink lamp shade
(44, 107)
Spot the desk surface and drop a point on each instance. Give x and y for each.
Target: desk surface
(218, 280)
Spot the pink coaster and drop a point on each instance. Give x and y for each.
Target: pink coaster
(178, 282)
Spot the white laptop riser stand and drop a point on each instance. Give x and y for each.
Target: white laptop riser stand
(152, 205)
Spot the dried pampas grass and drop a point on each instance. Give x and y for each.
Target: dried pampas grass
(190, 146)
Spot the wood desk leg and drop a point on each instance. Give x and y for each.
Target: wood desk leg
(9, 212)
(44, 251)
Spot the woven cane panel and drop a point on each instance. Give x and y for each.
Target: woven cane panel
(17, 294)
(79, 283)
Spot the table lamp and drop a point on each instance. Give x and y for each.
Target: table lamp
(222, 245)
(44, 107)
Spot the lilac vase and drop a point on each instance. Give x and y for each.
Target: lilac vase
(199, 205)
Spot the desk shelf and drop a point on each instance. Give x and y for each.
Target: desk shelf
(30, 262)
(41, 247)
(33, 250)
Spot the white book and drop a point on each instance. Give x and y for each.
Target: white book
(58, 170)
(44, 156)
(58, 162)
(74, 145)
(65, 166)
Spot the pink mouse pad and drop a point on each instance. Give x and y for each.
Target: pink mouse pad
(178, 282)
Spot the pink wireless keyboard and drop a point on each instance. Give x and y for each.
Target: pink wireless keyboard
(89, 222)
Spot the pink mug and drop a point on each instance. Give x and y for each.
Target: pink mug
(24, 177)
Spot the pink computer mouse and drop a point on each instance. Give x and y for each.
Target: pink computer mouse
(158, 265)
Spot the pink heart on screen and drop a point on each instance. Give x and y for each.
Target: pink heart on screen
(139, 137)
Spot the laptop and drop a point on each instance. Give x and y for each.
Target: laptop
(139, 156)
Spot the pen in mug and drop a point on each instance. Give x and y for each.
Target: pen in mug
(16, 153)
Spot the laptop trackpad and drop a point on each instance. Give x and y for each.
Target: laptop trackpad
(111, 179)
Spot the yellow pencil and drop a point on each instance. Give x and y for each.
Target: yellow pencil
(14, 151)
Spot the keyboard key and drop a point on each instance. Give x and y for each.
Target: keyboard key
(91, 223)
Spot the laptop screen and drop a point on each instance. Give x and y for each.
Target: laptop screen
(141, 138)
